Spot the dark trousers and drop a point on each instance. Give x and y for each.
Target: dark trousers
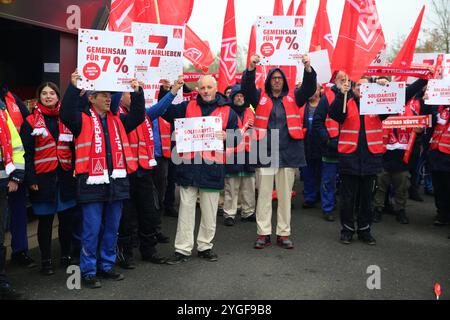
(3, 202)
(164, 179)
(356, 201)
(18, 212)
(65, 228)
(140, 205)
(441, 186)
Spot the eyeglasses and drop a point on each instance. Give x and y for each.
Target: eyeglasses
(276, 78)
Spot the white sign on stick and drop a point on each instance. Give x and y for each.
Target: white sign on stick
(321, 64)
(438, 92)
(280, 40)
(105, 60)
(159, 55)
(377, 99)
(198, 134)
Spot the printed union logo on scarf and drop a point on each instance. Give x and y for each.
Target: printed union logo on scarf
(98, 165)
(119, 160)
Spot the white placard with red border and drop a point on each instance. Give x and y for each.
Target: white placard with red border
(159, 55)
(280, 40)
(438, 92)
(198, 134)
(377, 99)
(105, 60)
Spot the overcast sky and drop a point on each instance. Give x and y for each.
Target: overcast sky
(397, 17)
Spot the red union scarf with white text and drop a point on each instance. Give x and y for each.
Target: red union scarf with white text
(98, 168)
(146, 132)
(40, 129)
(5, 141)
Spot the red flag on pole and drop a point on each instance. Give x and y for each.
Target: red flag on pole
(175, 12)
(301, 10)
(227, 67)
(321, 35)
(260, 70)
(290, 11)
(360, 38)
(278, 8)
(405, 56)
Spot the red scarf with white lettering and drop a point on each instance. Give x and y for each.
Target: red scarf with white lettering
(98, 168)
(147, 135)
(5, 141)
(40, 129)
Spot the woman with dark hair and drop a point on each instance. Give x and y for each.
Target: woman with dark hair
(49, 173)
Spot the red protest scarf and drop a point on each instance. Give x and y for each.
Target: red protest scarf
(98, 169)
(360, 38)
(405, 56)
(321, 37)
(5, 141)
(147, 135)
(227, 67)
(40, 129)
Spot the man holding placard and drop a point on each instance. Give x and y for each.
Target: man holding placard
(202, 172)
(103, 160)
(361, 150)
(278, 135)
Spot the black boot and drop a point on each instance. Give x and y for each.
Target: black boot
(125, 256)
(47, 267)
(401, 216)
(377, 215)
(6, 290)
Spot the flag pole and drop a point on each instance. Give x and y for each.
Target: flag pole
(344, 109)
(158, 20)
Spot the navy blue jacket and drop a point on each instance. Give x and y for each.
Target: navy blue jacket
(362, 162)
(312, 141)
(47, 182)
(290, 152)
(201, 175)
(117, 189)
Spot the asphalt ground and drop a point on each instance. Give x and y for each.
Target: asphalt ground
(411, 259)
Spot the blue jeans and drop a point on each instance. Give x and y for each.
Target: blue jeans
(18, 213)
(328, 186)
(311, 178)
(423, 170)
(97, 217)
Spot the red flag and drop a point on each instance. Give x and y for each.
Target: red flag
(260, 70)
(321, 35)
(301, 10)
(227, 67)
(197, 51)
(278, 8)
(175, 12)
(290, 11)
(360, 38)
(405, 56)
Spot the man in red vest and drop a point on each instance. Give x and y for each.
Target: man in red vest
(278, 146)
(103, 160)
(361, 150)
(200, 173)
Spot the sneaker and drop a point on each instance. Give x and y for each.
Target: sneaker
(328, 217)
(154, 258)
(162, 238)
(285, 242)
(7, 292)
(262, 242)
(377, 215)
(110, 274)
(440, 220)
(229, 222)
(91, 281)
(23, 259)
(126, 263)
(125, 258)
(47, 268)
(250, 218)
(367, 238)
(171, 212)
(208, 255)
(346, 237)
(65, 262)
(401, 217)
(177, 258)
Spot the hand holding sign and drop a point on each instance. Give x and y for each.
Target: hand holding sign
(254, 61)
(307, 63)
(177, 85)
(74, 77)
(221, 135)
